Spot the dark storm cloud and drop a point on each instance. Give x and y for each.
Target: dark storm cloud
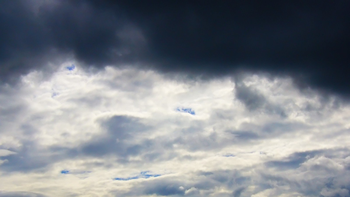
(308, 40)
(37, 32)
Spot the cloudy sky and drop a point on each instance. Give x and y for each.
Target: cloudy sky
(174, 98)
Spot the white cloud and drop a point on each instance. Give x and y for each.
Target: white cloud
(252, 137)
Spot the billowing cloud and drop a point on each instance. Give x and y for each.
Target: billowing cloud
(185, 98)
(130, 132)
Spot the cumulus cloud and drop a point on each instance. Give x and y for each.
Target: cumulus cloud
(131, 132)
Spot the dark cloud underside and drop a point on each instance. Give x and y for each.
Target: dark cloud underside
(308, 40)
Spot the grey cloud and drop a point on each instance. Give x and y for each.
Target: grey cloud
(323, 178)
(255, 101)
(329, 182)
(244, 136)
(165, 189)
(31, 157)
(251, 99)
(280, 128)
(201, 184)
(124, 137)
(310, 173)
(159, 187)
(270, 129)
(120, 131)
(238, 192)
(229, 178)
(288, 179)
(20, 194)
(11, 105)
(293, 162)
(195, 139)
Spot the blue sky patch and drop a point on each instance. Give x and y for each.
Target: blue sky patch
(74, 172)
(65, 172)
(126, 179)
(54, 94)
(72, 67)
(229, 155)
(143, 174)
(186, 110)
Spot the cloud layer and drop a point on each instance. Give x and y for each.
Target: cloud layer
(130, 132)
(181, 98)
(304, 40)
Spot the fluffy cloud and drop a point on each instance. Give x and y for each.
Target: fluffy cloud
(129, 132)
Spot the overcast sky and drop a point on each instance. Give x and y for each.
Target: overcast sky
(174, 98)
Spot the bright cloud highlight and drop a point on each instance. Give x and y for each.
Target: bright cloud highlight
(95, 134)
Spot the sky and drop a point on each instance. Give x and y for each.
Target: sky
(174, 98)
